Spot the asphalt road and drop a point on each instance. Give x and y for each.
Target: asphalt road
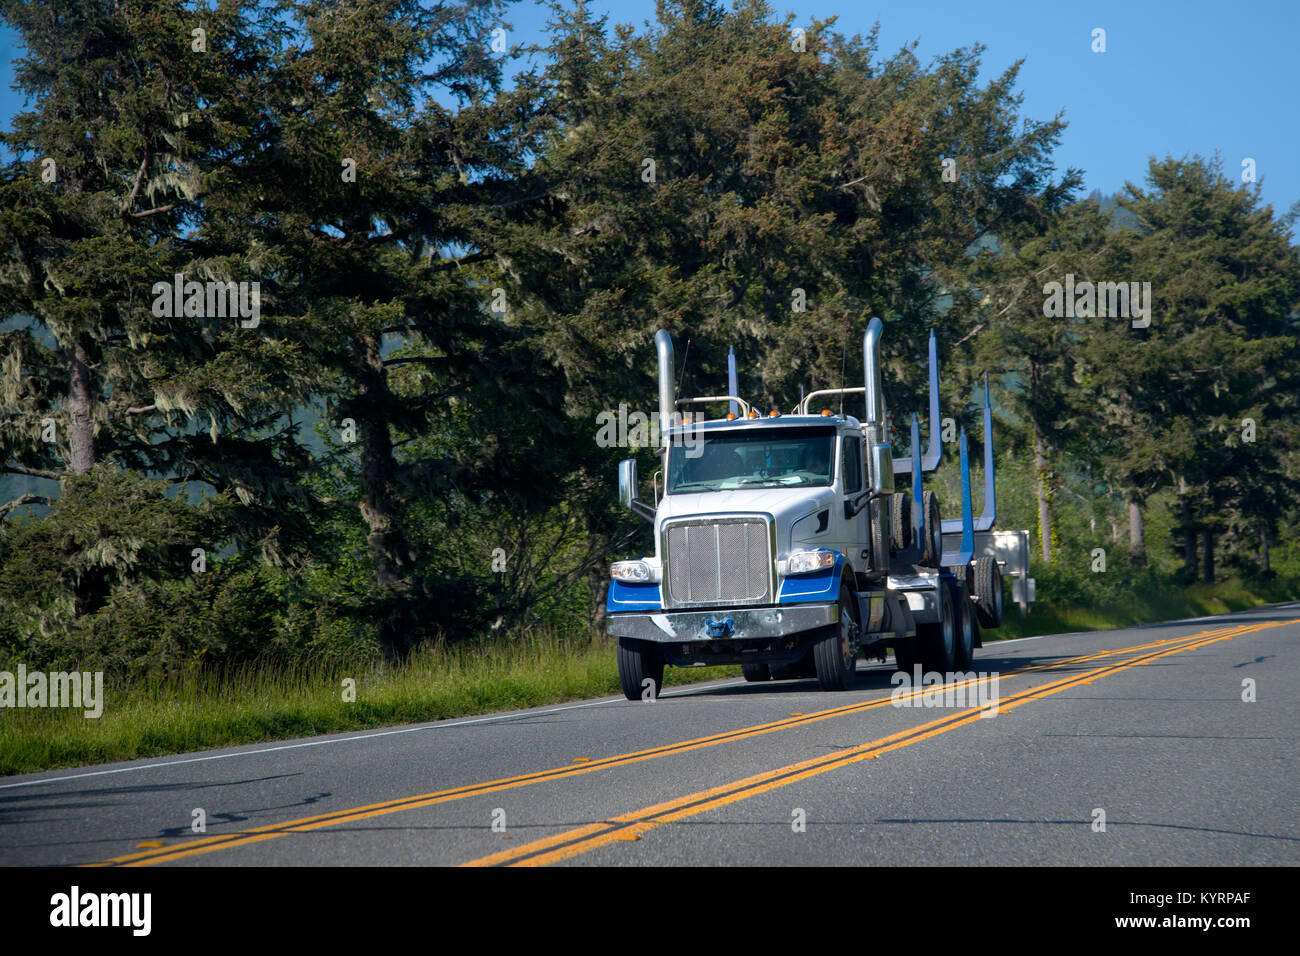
(1127, 747)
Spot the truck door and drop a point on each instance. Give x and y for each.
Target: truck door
(851, 534)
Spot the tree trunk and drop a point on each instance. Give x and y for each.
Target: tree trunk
(379, 501)
(1263, 549)
(81, 426)
(1137, 544)
(1208, 537)
(598, 579)
(1044, 496)
(1188, 531)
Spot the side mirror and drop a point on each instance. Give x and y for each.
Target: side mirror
(628, 495)
(627, 482)
(880, 468)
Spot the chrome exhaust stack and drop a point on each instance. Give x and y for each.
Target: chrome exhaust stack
(667, 398)
(875, 418)
(875, 429)
(880, 461)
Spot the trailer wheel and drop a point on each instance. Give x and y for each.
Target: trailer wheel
(932, 547)
(937, 643)
(803, 667)
(988, 591)
(902, 505)
(836, 652)
(756, 673)
(965, 577)
(905, 655)
(964, 651)
(637, 662)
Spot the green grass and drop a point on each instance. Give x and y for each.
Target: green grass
(204, 710)
(1197, 600)
(199, 711)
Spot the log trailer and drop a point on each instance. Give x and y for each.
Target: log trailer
(789, 544)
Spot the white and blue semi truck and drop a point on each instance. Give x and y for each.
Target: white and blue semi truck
(790, 544)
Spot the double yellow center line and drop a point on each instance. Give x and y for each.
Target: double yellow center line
(631, 826)
(533, 853)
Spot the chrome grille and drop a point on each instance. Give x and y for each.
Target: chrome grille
(718, 562)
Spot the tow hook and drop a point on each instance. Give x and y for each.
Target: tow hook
(723, 628)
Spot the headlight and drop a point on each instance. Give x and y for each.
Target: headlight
(636, 572)
(801, 562)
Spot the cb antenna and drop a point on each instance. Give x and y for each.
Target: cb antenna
(681, 374)
(844, 355)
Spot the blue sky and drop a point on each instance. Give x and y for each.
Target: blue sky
(1177, 78)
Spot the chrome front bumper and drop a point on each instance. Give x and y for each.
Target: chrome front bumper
(727, 624)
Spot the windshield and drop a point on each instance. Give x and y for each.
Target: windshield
(755, 458)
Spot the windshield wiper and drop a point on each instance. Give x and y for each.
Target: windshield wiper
(693, 484)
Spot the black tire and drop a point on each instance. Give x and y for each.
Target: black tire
(835, 654)
(637, 661)
(756, 673)
(965, 577)
(988, 592)
(964, 648)
(932, 547)
(902, 507)
(905, 655)
(803, 667)
(937, 643)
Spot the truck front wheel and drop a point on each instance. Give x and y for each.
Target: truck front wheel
(836, 652)
(638, 662)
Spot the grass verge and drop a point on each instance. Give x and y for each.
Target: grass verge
(201, 711)
(1196, 600)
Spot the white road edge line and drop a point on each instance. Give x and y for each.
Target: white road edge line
(685, 692)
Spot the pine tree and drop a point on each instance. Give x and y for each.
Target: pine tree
(383, 161)
(1204, 399)
(135, 112)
